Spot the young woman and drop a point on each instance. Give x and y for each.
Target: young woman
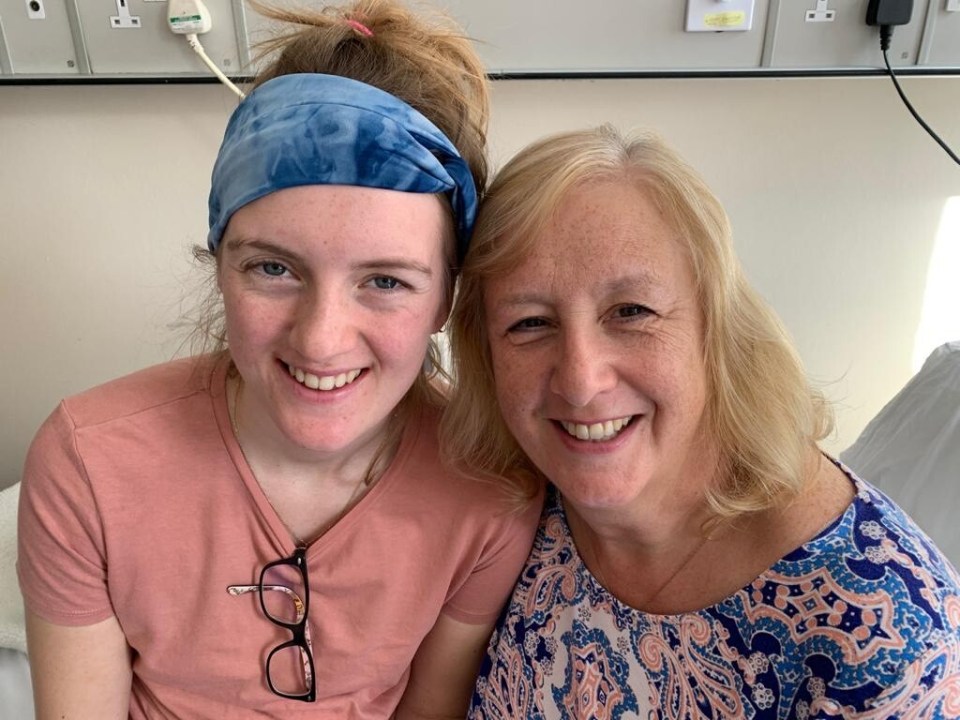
(267, 531)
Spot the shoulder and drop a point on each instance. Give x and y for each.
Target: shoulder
(874, 549)
(887, 536)
(554, 578)
(446, 486)
(142, 390)
(138, 410)
(871, 592)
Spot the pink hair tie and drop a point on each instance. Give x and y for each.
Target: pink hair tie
(359, 27)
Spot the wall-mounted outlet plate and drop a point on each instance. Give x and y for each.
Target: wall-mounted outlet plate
(123, 20)
(821, 14)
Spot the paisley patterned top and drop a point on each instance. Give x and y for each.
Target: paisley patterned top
(861, 621)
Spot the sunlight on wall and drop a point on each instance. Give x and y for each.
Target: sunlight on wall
(940, 318)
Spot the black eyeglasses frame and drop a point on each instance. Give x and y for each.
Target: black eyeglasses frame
(298, 629)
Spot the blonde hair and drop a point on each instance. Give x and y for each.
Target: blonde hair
(423, 59)
(762, 412)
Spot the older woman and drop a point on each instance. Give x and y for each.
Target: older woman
(698, 556)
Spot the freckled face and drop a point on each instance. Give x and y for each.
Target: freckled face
(331, 294)
(596, 340)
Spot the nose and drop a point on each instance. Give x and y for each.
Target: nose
(323, 325)
(582, 369)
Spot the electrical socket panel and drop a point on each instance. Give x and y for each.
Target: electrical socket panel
(37, 38)
(132, 37)
(562, 36)
(811, 34)
(120, 38)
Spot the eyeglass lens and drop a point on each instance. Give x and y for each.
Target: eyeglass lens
(288, 670)
(284, 607)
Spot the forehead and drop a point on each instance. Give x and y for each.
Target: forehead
(601, 232)
(357, 217)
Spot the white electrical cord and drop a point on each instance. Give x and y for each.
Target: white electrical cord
(194, 42)
(191, 18)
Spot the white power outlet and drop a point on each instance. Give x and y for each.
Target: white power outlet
(821, 14)
(123, 19)
(36, 10)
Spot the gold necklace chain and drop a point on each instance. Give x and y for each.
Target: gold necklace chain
(358, 491)
(660, 588)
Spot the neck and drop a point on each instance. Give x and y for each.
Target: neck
(663, 534)
(643, 557)
(663, 514)
(310, 492)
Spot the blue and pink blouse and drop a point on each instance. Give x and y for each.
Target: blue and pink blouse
(861, 621)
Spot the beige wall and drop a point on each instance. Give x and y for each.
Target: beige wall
(836, 198)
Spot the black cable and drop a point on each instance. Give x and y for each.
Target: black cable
(885, 32)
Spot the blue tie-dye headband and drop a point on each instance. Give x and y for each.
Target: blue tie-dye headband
(311, 129)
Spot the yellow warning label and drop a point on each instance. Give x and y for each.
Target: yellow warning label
(725, 19)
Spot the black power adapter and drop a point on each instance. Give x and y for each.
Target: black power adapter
(889, 12)
(886, 14)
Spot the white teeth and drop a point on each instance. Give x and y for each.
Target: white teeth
(327, 382)
(597, 431)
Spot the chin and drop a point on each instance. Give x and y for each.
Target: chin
(596, 494)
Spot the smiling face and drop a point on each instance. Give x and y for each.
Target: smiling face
(331, 294)
(596, 342)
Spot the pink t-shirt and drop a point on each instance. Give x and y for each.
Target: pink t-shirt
(137, 502)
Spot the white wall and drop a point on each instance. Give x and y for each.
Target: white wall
(836, 197)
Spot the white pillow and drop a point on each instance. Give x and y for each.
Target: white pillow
(12, 632)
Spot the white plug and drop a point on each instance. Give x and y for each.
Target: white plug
(191, 18)
(188, 17)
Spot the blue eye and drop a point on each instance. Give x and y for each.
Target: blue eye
(385, 282)
(273, 269)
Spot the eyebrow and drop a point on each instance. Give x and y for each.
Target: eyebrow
(398, 263)
(241, 243)
(375, 264)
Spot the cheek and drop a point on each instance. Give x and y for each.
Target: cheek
(232, 315)
(516, 385)
(401, 340)
(685, 387)
(250, 324)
